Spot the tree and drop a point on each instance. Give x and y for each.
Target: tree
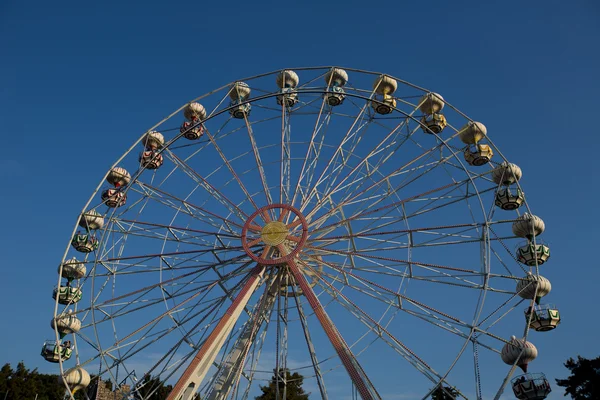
(293, 388)
(584, 382)
(153, 385)
(5, 374)
(445, 393)
(22, 383)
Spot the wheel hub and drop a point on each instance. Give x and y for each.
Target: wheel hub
(281, 237)
(274, 233)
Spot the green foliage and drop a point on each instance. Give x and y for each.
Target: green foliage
(447, 393)
(293, 388)
(153, 385)
(584, 382)
(23, 384)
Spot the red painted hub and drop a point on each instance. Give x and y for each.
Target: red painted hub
(275, 235)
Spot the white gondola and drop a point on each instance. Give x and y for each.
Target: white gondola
(383, 104)
(533, 285)
(475, 153)
(238, 110)
(91, 220)
(533, 255)
(76, 378)
(66, 324)
(433, 121)
(287, 97)
(114, 197)
(192, 130)
(506, 174)
(478, 154)
(151, 159)
(383, 101)
(533, 386)
(239, 94)
(118, 177)
(73, 269)
(528, 226)
(153, 140)
(519, 351)
(335, 80)
(194, 112)
(472, 133)
(508, 199)
(67, 294)
(546, 317)
(287, 81)
(54, 352)
(431, 103)
(84, 242)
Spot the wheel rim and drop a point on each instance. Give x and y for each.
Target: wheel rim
(237, 217)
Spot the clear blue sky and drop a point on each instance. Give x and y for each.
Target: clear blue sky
(80, 81)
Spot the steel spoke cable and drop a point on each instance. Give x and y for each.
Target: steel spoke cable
(153, 286)
(364, 160)
(344, 139)
(178, 228)
(375, 257)
(380, 328)
(258, 160)
(187, 203)
(187, 210)
(380, 198)
(203, 182)
(393, 232)
(213, 311)
(403, 297)
(383, 179)
(230, 167)
(393, 343)
(373, 211)
(284, 167)
(317, 127)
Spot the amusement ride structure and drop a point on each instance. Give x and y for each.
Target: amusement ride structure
(339, 223)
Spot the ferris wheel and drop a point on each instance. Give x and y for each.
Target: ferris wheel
(343, 224)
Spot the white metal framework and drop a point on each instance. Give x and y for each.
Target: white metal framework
(343, 224)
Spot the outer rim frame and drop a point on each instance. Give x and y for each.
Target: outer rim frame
(132, 148)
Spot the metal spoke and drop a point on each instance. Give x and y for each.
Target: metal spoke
(229, 166)
(259, 164)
